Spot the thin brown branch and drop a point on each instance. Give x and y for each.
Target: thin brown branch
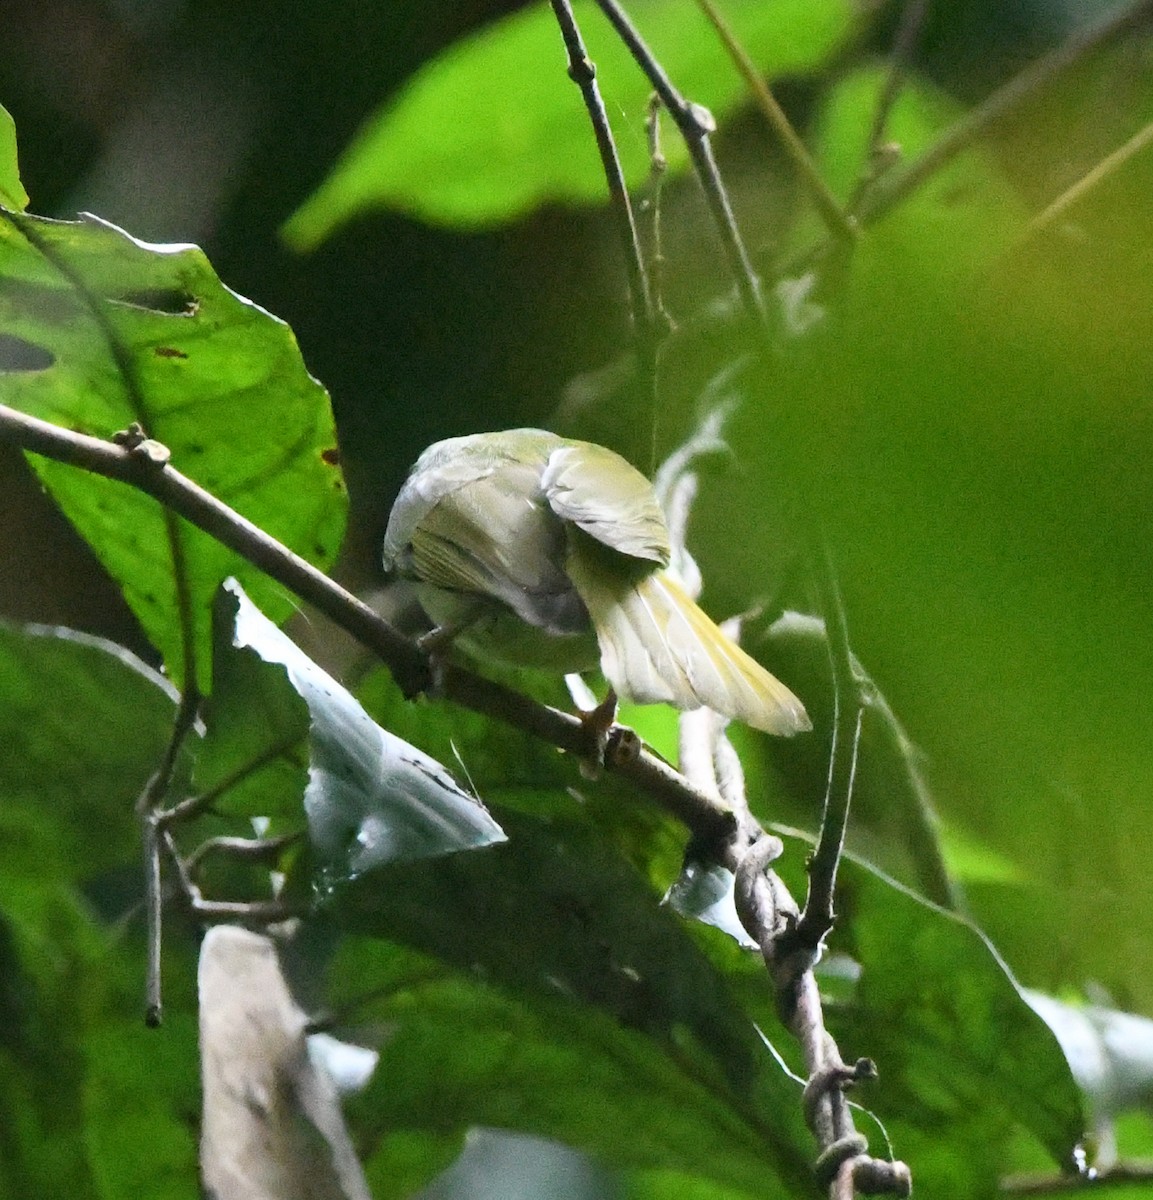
(582, 71)
(1074, 194)
(839, 224)
(703, 813)
(696, 126)
(880, 156)
(900, 183)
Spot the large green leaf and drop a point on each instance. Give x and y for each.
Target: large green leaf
(83, 725)
(372, 798)
(492, 127)
(585, 1013)
(12, 193)
(102, 331)
(958, 1044)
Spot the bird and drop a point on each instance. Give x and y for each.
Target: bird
(531, 549)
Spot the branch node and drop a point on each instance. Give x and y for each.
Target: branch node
(701, 118)
(836, 1154)
(582, 70)
(141, 447)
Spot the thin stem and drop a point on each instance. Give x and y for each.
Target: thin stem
(1072, 195)
(696, 124)
(148, 808)
(848, 712)
(840, 225)
(153, 910)
(877, 160)
(582, 71)
(193, 806)
(899, 184)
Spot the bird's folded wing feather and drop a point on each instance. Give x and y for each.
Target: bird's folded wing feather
(609, 499)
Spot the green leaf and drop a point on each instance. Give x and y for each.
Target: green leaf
(599, 1023)
(492, 128)
(963, 216)
(958, 1044)
(12, 193)
(372, 798)
(105, 331)
(83, 724)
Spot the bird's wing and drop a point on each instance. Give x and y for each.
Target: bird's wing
(449, 465)
(495, 536)
(600, 492)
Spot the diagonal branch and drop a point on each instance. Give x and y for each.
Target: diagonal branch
(145, 467)
(839, 224)
(582, 71)
(899, 184)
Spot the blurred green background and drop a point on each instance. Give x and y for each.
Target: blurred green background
(974, 417)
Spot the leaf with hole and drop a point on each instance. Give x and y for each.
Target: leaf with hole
(102, 330)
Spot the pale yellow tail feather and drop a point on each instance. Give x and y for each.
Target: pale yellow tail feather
(658, 646)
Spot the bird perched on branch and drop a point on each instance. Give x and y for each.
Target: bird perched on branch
(537, 550)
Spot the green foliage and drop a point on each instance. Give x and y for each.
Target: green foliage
(115, 331)
(967, 435)
(12, 193)
(83, 724)
(482, 133)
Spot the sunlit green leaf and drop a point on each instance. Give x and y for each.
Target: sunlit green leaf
(12, 193)
(102, 330)
(492, 127)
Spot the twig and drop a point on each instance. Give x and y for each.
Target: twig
(899, 184)
(702, 812)
(658, 168)
(582, 71)
(877, 160)
(148, 808)
(773, 914)
(193, 806)
(848, 711)
(696, 124)
(840, 225)
(1106, 167)
(253, 850)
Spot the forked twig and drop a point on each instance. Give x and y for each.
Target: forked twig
(902, 182)
(790, 941)
(582, 71)
(696, 126)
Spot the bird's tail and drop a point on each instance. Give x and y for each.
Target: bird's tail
(657, 646)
